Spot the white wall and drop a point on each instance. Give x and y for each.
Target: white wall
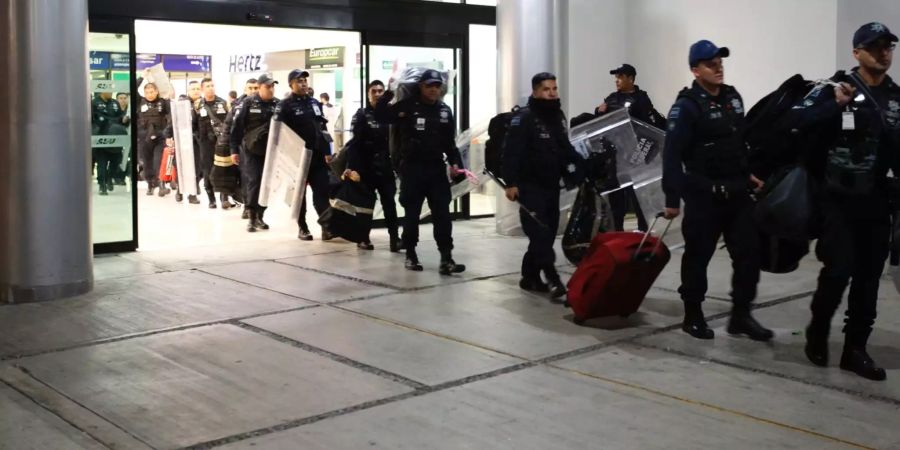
(770, 40)
(596, 46)
(855, 13)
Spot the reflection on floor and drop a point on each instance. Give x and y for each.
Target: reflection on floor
(111, 220)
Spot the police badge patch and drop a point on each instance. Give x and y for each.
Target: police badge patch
(737, 105)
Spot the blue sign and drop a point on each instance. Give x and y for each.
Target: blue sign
(146, 60)
(187, 63)
(120, 61)
(99, 60)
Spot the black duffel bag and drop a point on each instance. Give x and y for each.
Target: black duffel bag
(350, 214)
(787, 208)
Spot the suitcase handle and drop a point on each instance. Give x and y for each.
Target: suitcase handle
(647, 235)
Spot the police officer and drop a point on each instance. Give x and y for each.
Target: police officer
(536, 154)
(210, 112)
(251, 133)
(106, 119)
(705, 163)
(370, 157)
(859, 124)
(629, 96)
(303, 114)
(426, 134)
(250, 88)
(154, 133)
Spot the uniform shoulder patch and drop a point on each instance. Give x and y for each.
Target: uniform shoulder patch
(516, 121)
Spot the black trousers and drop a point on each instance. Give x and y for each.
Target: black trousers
(317, 179)
(386, 187)
(150, 153)
(853, 248)
(203, 162)
(108, 160)
(541, 236)
(252, 169)
(620, 201)
(418, 183)
(706, 219)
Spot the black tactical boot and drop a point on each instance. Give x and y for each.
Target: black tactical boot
(817, 343)
(694, 323)
(223, 198)
(557, 287)
(251, 222)
(179, 197)
(395, 244)
(742, 322)
(448, 266)
(856, 360)
(259, 220)
(534, 284)
(192, 199)
(304, 234)
(412, 261)
(246, 214)
(366, 245)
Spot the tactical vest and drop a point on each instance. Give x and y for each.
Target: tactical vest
(718, 151)
(212, 115)
(259, 113)
(152, 119)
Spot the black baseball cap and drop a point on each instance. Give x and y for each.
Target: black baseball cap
(624, 69)
(297, 73)
(266, 79)
(871, 32)
(705, 50)
(431, 76)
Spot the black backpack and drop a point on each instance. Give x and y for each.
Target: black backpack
(493, 148)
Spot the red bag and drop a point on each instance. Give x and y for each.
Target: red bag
(167, 170)
(616, 274)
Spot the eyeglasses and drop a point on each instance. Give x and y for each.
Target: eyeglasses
(880, 48)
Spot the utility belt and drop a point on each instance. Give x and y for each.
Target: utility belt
(722, 188)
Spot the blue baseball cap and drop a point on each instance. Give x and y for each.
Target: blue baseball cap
(871, 32)
(431, 76)
(704, 50)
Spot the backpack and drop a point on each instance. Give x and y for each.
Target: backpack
(493, 148)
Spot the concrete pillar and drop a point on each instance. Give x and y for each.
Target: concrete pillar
(531, 38)
(45, 239)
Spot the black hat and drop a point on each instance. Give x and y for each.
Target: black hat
(266, 79)
(870, 33)
(624, 69)
(540, 78)
(431, 76)
(705, 50)
(297, 73)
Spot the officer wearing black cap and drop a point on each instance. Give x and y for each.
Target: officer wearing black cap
(629, 96)
(304, 116)
(705, 163)
(427, 134)
(857, 126)
(251, 132)
(536, 155)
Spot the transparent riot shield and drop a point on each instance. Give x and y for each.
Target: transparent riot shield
(471, 148)
(183, 134)
(161, 80)
(612, 132)
(285, 170)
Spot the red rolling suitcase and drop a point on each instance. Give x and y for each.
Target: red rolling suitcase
(616, 273)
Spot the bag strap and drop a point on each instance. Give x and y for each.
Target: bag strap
(213, 118)
(861, 84)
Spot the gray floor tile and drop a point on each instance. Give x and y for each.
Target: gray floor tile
(192, 386)
(114, 266)
(25, 426)
(419, 356)
(539, 409)
(194, 257)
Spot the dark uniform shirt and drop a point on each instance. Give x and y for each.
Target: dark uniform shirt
(425, 133)
(154, 119)
(303, 115)
(370, 152)
(253, 114)
(639, 106)
(104, 113)
(537, 149)
(209, 118)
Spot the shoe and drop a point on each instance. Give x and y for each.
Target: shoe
(150, 191)
(695, 324)
(163, 191)
(365, 246)
(246, 214)
(109, 187)
(412, 261)
(557, 288)
(816, 348)
(259, 222)
(179, 197)
(251, 222)
(396, 244)
(327, 236)
(743, 323)
(533, 285)
(449, 267)
(103, 192)
(856, 360)
(192, 199)
(304, 235)
(225, 203)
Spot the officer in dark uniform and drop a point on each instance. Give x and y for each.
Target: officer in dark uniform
(370, 157)
(210, 112)
(426, 134)
(154, 132)
(629, 96)
(536, 154)
(250, 88)
(705, 163)
(303, 114)
(858, 122)
(106, 118)
(251, 133)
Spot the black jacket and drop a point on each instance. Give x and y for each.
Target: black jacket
(253, 116)
(154, 120)
(537, 150)
(369, 152)
(425, 133)
(639, 106)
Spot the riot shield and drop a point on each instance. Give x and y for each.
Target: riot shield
(612, 132)
(183, 134)
(285, 170)
(161, 80)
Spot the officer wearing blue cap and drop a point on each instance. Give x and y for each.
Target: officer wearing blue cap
(857, 128)
(426, 131)
(303, 114)
(705, 164)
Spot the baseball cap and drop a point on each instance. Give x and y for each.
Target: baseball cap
(870, 33)
(624, 69)
(297, 73)
(266, 79)
(705, 50)
(431, 76)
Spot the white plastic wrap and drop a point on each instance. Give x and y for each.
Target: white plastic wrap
(405, 82)
(161, 80)
(285, 170)
(183, 135)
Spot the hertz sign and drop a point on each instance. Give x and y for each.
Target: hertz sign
(325, 58)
